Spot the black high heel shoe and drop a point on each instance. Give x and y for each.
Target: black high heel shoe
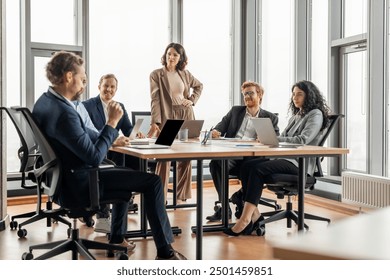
(246, 231)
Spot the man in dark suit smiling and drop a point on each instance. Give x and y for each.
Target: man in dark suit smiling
(97, 111)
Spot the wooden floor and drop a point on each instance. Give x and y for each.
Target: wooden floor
(216, 246)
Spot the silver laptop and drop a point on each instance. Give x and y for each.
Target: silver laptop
(133, 135)
(266, 134)
(167, 136)
(194, 127)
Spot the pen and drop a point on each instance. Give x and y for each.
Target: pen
(244, 145)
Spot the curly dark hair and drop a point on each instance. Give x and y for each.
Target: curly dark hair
(60, 63)
(183, 57)
(313, 100)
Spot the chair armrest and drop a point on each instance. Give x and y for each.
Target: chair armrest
(93, 175)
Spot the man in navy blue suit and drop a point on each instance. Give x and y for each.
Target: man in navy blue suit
(59, 120)
(97, 111)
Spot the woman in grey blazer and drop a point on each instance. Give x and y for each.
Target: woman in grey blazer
(171, 98)
(309, 118)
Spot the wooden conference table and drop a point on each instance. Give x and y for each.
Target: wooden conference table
(223, 150)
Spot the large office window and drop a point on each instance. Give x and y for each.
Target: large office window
(127, 38)
(355, 17)
(53, 21)
(387, 134)
(319, 45)
(207, 41)
(12, 79)
(277, 57)
(355, 99)
(319, 54)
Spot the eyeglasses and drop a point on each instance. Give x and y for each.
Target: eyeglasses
(250, 93)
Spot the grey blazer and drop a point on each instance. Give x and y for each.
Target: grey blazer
(306, 130)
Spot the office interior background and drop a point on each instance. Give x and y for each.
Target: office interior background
(340, 45)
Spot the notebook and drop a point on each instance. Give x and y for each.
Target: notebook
(194, 127)
(266, 134)
(166, 137)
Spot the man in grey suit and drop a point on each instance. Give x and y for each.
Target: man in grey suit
(237, 124)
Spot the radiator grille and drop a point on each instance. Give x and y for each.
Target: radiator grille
(365, 190)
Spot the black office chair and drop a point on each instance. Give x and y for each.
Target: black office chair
(286, 185)
(28, 153)
(48, 173)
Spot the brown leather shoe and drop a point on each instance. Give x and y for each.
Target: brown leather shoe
(130, 245)
(176, 256)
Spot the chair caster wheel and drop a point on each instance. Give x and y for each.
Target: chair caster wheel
(27, 256)
(13, 225)
(123, 256)
(22, 232)
(110, 254)
(260, 231)
(90, 222)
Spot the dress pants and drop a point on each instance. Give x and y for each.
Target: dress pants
(184, 177)
(120, 182)
(254, 174)
(120, 160)
(234, 168)
(215, 171)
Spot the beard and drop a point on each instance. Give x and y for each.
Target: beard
(77, 96)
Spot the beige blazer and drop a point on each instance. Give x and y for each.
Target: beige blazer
(161, 101)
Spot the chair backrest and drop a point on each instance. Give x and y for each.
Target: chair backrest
(135, 115)
(28, 148)
(47, 167)
(332, 122)
(28, 151)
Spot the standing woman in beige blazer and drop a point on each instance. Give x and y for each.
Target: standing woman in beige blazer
(170, 91)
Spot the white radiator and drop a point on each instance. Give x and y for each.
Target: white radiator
(365, 190)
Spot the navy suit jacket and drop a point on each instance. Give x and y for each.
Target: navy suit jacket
(67, 134)
(95, 110)
(231, 122)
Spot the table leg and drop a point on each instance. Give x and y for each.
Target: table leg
(144, 231)
(143, 220)
(224, 202)
(199, 209)
(225, 193)
(301, 192)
